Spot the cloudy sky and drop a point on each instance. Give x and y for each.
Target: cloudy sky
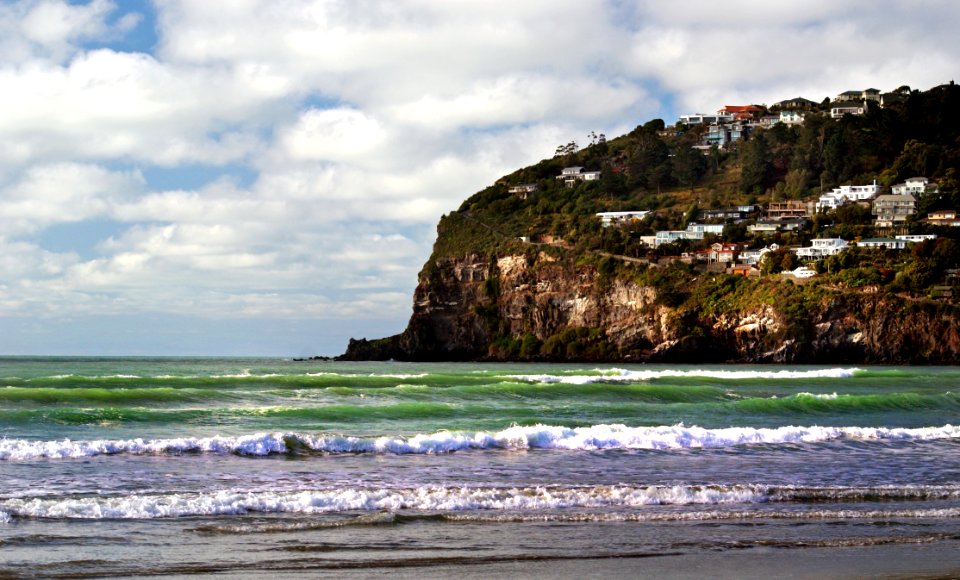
(265, 176)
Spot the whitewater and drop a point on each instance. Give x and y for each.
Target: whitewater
(332, 466)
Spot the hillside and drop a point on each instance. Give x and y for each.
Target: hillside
(525, 270)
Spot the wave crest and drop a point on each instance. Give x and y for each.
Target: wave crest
(517, 437)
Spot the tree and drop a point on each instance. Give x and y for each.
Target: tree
(756, 168)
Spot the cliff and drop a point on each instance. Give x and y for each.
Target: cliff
(535, 306)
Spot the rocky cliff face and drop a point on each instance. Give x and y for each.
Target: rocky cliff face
(535, 307)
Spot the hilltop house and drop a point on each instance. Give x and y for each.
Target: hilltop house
(893, 210)
(796, 103)
(847, 193)
(842, 108)
(700, 118)
(740, 112)
(570, 175)
(864, 95)
(822, 247)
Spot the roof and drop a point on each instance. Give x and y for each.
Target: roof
(895, 197)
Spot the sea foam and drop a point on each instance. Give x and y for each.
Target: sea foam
(622, 375)
(525, 502)
(517, 437)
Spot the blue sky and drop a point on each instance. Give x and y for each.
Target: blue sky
(265, 177)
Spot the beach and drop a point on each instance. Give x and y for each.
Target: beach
(250, 467)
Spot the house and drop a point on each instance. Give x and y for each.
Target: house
(791, 118)
(791, 209)
(738, 213)
(700, 118)
(670, 236)
(847, 193)
(570, 175)
(523, 190)
(723, 253)
(887, 99)
(768, 121)
(916, 238)
(822, 247)
(766, 227)
(893, 210)
(838, 110)
(888, 243)
(864, 95)
(947, 217)
(796, 103)
(608, 218)
(722, 135)
(694, 231)
(740, 112)
(754, 256)
(801, 272)
(705, 228)
(914, 186)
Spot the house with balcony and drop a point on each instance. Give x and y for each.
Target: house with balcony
(790, 209)
(838, 110)
(796, 103)
(863, 96)
(846, 194)
(887, 243)
(822, 247)
(892, 210)
(570, 175)
(946, 217)
(701, 118)
(523, 190)
(768, 227)
(917, 186)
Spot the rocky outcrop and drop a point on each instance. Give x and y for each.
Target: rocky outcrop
(537, 307)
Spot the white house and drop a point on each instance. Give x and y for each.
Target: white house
(700, 118)
(914, 186)
(608, 218)
(791, 118)
(801, 272)
(888, 243)
(822, 247)
(571, 175)
(915, 238)
(848, 108)
(694, 231)
(847, 193)
(754, 256)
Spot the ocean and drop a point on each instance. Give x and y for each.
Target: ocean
(252, 467)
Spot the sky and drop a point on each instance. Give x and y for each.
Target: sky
(264, 177)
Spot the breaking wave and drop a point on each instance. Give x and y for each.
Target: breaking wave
(522, 502)
(516, 437)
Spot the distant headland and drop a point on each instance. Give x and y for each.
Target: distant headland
(801, 232)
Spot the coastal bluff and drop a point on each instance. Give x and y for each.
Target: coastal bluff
(535, 307)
